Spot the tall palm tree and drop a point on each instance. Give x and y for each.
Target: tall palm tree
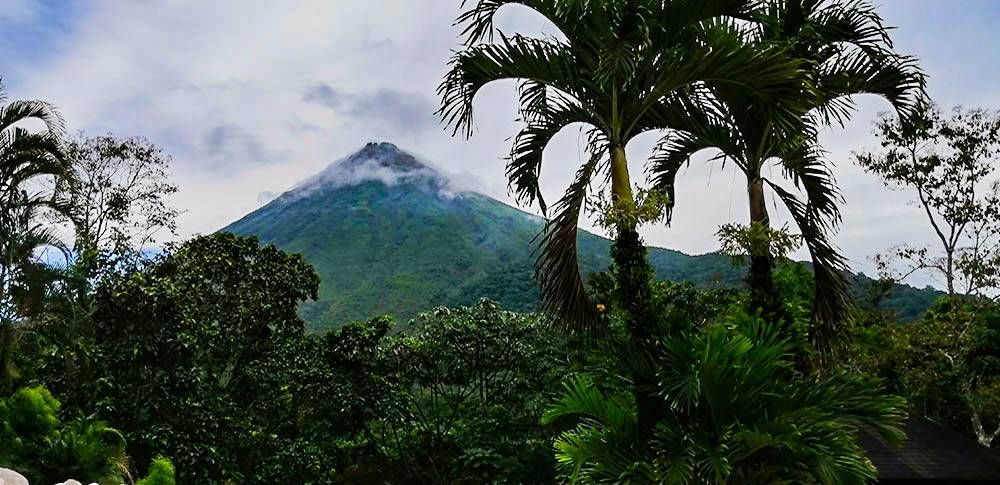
(620, 68)
(847, 51)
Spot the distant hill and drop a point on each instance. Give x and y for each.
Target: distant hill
(389, 234)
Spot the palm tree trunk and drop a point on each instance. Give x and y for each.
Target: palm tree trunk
(763, 297)
(633, 274)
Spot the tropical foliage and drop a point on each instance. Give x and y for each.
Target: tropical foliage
(34, 441)
(195, 365)
(193, 333)
(25, 158)
(734, 412)
(948, 363)
(161, 472)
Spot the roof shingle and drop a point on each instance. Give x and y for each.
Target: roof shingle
(932, 453)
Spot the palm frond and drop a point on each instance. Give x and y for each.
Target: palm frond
(581, 398)
(477, 20)
(524, 164)
(736, 412)
(770, 75)
(829, 266)
(557, 267)
(20, 110)
(898, 79)
(805, 164)
(25, 155)
(673, 152)
(519, 58)
(854, 22)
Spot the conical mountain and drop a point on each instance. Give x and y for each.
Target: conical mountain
(388, 234)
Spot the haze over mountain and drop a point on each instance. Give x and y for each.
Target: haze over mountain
(388, 234)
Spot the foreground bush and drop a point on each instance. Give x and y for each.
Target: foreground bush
(35, 442)
(732, 410)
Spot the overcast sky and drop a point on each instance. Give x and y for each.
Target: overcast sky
(251, 97)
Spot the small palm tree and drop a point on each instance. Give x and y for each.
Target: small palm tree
(620, 68)
(847, 51)
(734, 411)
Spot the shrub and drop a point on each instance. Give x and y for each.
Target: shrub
(161, 472)
(35, 442)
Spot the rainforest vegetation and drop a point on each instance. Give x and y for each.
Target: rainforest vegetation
(124, 359)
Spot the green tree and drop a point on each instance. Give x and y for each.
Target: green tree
(25, 280)
(947, 364)
(179, 350)
(846, 51)
(161, 472)
(475, 383)
(620, 68)
(320, 442)
(115, 202)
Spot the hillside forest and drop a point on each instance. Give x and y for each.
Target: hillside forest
(128, 355)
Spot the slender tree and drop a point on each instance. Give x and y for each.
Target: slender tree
(846, 51)
(952, 165)
(620, 68)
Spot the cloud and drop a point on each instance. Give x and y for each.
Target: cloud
(230, 142)
(265, 197)
(324, 95)
(399, 113)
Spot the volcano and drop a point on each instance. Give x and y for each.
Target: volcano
(389, 234)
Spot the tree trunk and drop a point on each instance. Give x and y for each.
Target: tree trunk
(984, 437)
(621, 186)
(633, 275)
(949, 273)
(763, 297)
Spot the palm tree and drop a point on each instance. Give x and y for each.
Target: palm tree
(847, 51)
(25, 157)
(734, 411)
(620, 68)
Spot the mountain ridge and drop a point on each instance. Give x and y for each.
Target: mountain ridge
(389, 234)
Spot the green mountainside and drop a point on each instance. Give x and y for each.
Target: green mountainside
(389, 235)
